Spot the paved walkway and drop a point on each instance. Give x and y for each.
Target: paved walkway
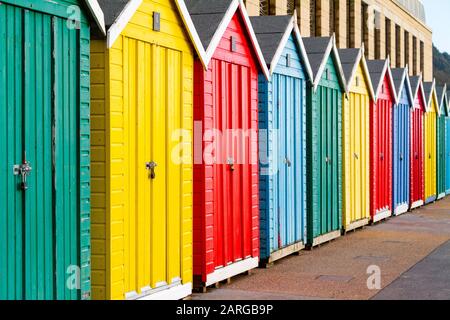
(412, 252)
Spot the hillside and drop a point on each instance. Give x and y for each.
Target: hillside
(441, 66)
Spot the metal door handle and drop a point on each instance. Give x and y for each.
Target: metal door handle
(288, 162)
(151, 167)
(401, 156)
(23, 170)
(356, 156)
(429, 156)
(382, 156)
(230, 162)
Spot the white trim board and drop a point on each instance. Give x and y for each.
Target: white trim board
(292, 28)
(97, 14)
(174, 293)
(121, 22)
(231, 270)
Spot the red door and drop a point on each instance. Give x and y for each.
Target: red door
(232, 171)
(417, 156)
(381, 157)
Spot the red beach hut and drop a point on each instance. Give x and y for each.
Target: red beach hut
(417, 183)
(226, 187)
(381, 139)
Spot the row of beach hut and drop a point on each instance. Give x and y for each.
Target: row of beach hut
(151, 147)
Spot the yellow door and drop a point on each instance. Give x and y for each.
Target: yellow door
(153, 106)
(356, 152)
(430, 154)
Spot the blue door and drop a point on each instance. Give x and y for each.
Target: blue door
(401, 165)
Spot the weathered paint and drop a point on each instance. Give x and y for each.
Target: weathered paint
(441, 148)
(381, 151)
(417, 154)
(142, 95)
(44, 119)
(282, 118)
(430, 136)
(324, 155)
(226, 195)
(401, 152)
(356, 143)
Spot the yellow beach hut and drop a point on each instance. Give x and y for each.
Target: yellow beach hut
(430, 137)
(356, 139)
(142, 122)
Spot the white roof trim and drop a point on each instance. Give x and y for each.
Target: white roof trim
(416, 92)
(337, 61)
(97, 14)
(443, 95)
(281, 45)
(192, 31)
(303, 50)
(387, 69)
(215, 41)
(291, 28)
(121, 22)
(432, 96)
(405, 77)
(255, 43)
(360, 59)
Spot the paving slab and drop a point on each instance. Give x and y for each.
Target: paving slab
(339, 269)
(428, 279)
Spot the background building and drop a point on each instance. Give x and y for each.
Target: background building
(386, 27)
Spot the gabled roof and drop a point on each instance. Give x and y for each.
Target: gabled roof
(401, 81)
(351, 59)
(441, 92)
(119, 12)
(97, 14)
(378, 69)
(416, 84)
(319, 50)
(212, 17)
(273, 33)
(430, 94)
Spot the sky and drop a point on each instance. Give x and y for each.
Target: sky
(438, 14)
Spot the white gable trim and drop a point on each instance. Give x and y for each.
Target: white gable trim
(291, 28)
(195, 38)
(97, 14)
(367, 74)
(121, 22)
(360, 59)
(253, 39)
(387, 70)
(405, 82)
(431, 97)
(232, 9)
(303, 50)
(281, 45)
(331, 49)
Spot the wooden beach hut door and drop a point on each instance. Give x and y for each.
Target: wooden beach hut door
(447, 154)
(153, 112)
(232, 172)
(287, 93)
(417, 154)
(39, 160)
(329, 102)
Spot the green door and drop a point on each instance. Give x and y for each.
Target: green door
(39, 98)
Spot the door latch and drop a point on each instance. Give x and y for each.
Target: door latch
(401, 156)
(288, 162)
(429, 156)
(382, 156)
(230, 162)
(151, 166)
(23, 170)
(328, 160)
(356, 156)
